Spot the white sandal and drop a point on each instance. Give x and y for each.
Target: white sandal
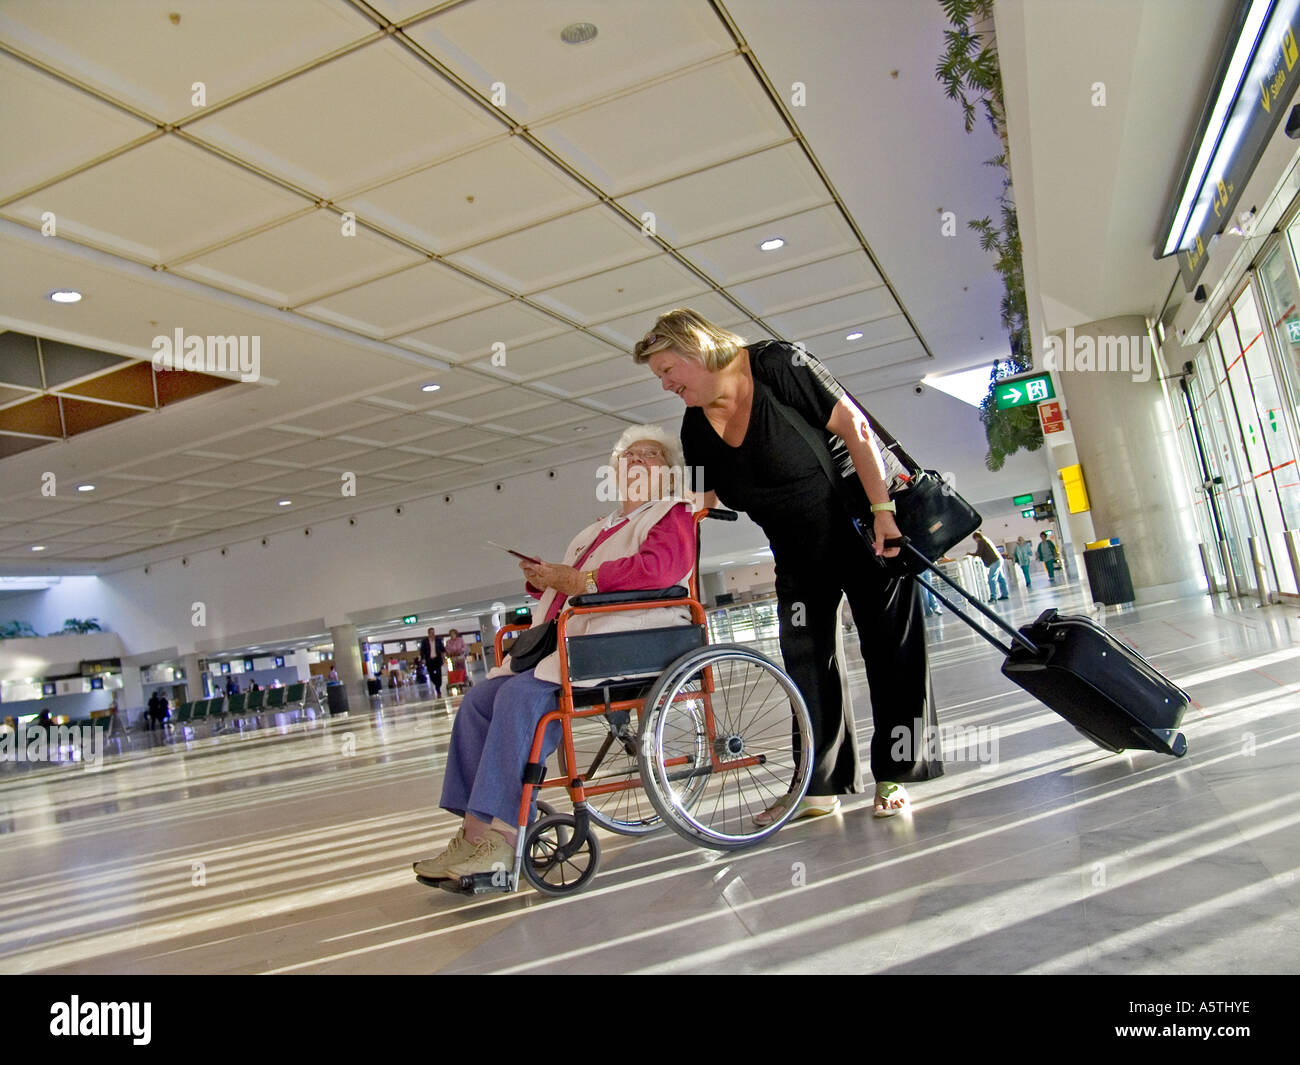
(886, 793)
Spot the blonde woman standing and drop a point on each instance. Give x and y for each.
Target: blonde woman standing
(743, 448)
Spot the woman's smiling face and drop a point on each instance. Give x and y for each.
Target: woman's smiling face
(683, 377)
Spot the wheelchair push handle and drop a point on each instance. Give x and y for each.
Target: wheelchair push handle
(721, 515)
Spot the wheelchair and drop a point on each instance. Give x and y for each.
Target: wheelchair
(675, 733)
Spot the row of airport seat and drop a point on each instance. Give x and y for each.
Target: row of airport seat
(244, 704)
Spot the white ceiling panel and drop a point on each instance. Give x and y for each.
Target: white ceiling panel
(626, 330)
(299, 261)
(373, 114)
(649, 283)
(312, 453)
(608, 144)
(333, 419)
(132, 50)
(552, 253)
(874, 334)
(399, 429)
(488, 405)
(453, 387)
(485, 193)
(57, 126)
(810, 236)
(404, 301)
(370, 461)
(519, 45)
(663, 412)
(544, 357)
(248, 442)
(769, 185)
(301, 481)
(816, 282)
(472, 335)
(598, 431)
(458, 441)
(648, 390)
(847, 312)
(619, 370)
(534, 418)
(159, 201)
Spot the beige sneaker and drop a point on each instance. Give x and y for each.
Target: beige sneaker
(492, 854)
(436, 868)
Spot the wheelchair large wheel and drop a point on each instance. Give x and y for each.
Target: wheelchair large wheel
(753, 753)
(556, 861)
(607, 754)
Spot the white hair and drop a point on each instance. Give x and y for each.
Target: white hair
(671, 444)
(677, 479)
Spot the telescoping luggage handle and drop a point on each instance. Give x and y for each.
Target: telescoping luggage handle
(1017, 637)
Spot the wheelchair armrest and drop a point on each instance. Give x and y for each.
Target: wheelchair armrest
(608, 598)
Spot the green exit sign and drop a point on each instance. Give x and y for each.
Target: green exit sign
(1023, 391)
(1027, 513)
(1293, 330)
(410, 619)
(1023, 501)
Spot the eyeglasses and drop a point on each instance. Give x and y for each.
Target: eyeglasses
(644, 453)
(650, 338)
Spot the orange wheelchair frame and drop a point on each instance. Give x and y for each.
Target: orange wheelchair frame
(698, 757)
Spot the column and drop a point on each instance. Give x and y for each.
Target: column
(193, 677)
(1108, 376)
(347, 660)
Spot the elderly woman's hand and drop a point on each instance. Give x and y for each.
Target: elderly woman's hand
(564, 579)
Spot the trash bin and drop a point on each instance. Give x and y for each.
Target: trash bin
(336, 697)
(1108, 574)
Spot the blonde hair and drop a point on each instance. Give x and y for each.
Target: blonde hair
(691, 335)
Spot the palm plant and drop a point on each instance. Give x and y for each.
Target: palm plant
(969, 73)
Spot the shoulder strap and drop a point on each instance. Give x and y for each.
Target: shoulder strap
(886, 438)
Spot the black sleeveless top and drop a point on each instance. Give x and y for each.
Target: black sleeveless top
(773, 476)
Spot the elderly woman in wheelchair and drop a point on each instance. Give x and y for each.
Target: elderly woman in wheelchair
(624, 624)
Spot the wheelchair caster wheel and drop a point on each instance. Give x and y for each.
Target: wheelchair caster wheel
(556, 859)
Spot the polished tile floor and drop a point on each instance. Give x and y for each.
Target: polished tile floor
(288, 850)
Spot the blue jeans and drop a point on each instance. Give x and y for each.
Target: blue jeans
(996, 577)
(490, 742)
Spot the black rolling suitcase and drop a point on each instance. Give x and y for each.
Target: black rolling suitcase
(1102, 687)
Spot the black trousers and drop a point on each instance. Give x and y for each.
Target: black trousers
(832, 561)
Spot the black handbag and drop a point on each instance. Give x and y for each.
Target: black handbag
(530, 647)
(929, 513)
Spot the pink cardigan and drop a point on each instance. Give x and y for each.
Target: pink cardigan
(636, 559)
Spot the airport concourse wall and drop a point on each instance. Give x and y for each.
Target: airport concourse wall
(431, 556)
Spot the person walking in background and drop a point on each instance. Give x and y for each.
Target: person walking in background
(1024, 556)
(987, 553)
(1048, 556)
(431, 651)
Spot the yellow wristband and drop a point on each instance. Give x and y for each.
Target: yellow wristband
(876, 508)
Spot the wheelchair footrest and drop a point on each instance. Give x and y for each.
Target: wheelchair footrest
(498, 883)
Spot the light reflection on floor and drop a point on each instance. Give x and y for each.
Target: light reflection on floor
(289, 849)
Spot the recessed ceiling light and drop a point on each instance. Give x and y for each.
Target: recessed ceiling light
(65, 295)
(771, 244)
(38, 547)
(854, 336)
(578, 33)
(85, 488)
(579, 428)
(430, 388)
(285, 502)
